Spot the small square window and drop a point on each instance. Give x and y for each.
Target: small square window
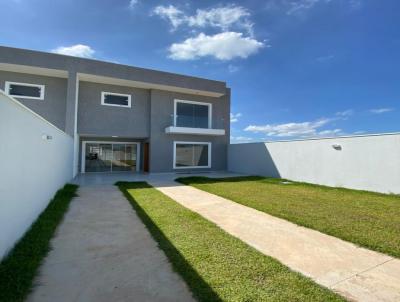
(24, 90)
(115, 99)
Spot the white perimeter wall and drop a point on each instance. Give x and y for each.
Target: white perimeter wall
(32, 168)
(365, 162)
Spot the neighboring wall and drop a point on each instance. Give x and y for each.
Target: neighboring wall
(53, 107)
(32, 168)
(364, 162)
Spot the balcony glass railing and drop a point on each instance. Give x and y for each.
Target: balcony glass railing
(197, 122)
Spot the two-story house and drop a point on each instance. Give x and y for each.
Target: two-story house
(123, 118)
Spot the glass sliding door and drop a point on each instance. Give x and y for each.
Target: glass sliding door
(118, 163)
(130, 156)
(110, 157)
(98, 157)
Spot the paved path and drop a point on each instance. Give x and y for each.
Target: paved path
(102, 252)
(356, 273)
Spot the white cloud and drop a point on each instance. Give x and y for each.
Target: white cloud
(241, 139)
(170, 13)
(381, 110)
(324, 59)
(133, 3)
(303, 129)
(224, 17)
(233, 68)
(78, 50)
(302, 5)
(299, 7)
(222, 46)
(235, 117)
(345, 114)
(332, 132)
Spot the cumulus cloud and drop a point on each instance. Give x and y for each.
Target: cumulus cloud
(381, 110)
(78, 50)
(222, 46)
(224, 17)
(235, 117)
(174, 15)
(290, 129)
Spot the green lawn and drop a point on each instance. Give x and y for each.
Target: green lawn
(19, 268)
(215, 265)
(368, 219)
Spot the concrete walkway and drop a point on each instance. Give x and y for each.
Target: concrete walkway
(356, 273)
(102, 252)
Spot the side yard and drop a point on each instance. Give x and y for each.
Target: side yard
(368, 219)
(215, 265)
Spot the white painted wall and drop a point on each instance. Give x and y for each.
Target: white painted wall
(365, 162)
(32, 168)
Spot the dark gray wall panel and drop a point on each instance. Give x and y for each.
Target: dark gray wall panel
(161, 144)
(52, 108)
(101, 120)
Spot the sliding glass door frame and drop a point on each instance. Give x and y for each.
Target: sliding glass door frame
(83, 153)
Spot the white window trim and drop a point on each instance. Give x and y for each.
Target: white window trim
(176, 101)
(192, 143)
(42, 87)
(83, 153)
(104, 93)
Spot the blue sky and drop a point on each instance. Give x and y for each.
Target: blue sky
(297, 68)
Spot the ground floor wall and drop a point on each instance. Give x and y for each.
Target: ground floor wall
(162, 152)
(360, 162)
(36, 162)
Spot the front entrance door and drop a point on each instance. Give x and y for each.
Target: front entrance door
(109, 157)
(146, 157)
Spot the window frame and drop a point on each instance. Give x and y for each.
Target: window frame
(42, 90)
(176, 101)
(209, 144)
(104, 93)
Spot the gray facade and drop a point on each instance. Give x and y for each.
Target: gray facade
(73, 102)
(53, 107)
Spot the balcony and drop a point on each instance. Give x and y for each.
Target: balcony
(195, 126)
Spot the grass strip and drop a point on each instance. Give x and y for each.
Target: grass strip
(19, 268)
(368, 219)
(215, 265)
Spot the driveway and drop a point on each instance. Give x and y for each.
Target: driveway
(103, 252)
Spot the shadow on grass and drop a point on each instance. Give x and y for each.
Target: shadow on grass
(199, 288)
(19, 268)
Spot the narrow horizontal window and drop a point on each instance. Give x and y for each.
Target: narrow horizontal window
(192, 155)
(24, 90)
(192, 114)
(115, 99)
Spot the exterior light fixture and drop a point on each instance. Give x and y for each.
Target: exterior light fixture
(337, 147)
(46, 137)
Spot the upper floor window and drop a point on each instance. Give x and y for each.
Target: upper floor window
(24, 90)
(192, 114)
(115, 99)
